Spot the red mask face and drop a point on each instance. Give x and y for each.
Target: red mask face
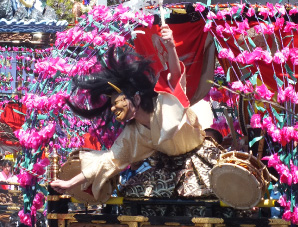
(122, 107)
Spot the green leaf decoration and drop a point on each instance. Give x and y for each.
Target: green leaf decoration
(217, 45)
(287, 159)
(19, 112)
(256, 139)
(245, 76)
(246, 66)
(208, 2)
(279, 82)
(99, 25)
(90, 18)
(293, 201)
(69, 87)
(287, 36)
(276, 115)
(65, 121)
(254, 77)
(291, 81)
(260, 108)
(42, 117)
(270, 187)
(42, 189)
(249, 111)
(237, 14)
(294, 151)
(216, 9)
(25, 126)
(26, 198)
(72, 53)
(290, 72)
(282, 157)
(83, 23)
(114, 29)
(203, 4)
(228, 74)
(237, 45)
(53, 115)
(251, 42)
(86, 45)
(58, 73)
(57, 88)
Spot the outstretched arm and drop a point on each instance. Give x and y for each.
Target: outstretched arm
(61, 185)
(173, 60)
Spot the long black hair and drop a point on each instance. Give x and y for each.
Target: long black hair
(131, 73)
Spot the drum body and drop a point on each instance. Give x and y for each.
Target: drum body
(71, 168)
(239, 179)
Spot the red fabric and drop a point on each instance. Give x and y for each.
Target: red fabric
(266, 70)
(4, 186)
(12, 118)
(89, 190)
(163, 86)
(189, 38)
(91, 142)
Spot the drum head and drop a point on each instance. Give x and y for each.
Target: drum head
(69, 170)
(235, 186)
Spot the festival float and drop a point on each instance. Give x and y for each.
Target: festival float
(239, 57)
(27, 28)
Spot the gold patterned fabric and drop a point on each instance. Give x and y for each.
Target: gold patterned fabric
(176, 176)
(174, 130)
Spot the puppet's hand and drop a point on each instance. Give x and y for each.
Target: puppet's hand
(167, 36)
(61, 185)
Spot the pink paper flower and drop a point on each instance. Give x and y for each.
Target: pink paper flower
(266, 56)
(200, 7)
(289, 26)
(281, 9)
(279, 58)
(220, 123)
(283, 201)
(25, 179)
(292, 11)
(281, 96)
(39, 167)
(215, 94)
(263, 11)
(273, 160)
(220, 15)
(211, 15)
(263, 92)
(267, 123)
(226, 53)
(255, 121)
(293, 53)
(219, 30)
(38, 201)
(250, 12)
(25, 218)
(242, 27)
(208, 26)
(295, 216)
(287, 215)
(260, 28)
(230, 29)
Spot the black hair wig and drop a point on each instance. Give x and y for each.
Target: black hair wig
(6, 162)
(131, 73)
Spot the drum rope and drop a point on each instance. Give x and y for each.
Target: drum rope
(33, 173)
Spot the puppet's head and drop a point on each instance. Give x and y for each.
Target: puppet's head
(128, 75)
